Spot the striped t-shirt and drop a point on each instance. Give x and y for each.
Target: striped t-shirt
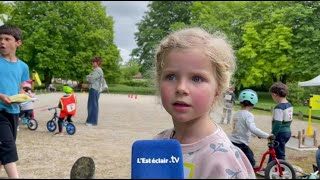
(282, 118)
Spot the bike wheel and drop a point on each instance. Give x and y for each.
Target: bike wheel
(51, 126)
(71, 129)
(272, 171)
(32, 124)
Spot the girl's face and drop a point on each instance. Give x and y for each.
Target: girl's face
(8, 45)
(188, 87)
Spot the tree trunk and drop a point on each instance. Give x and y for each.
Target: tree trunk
(47, 78)
(283, 79)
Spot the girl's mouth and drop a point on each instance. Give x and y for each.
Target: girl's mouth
(180, 106)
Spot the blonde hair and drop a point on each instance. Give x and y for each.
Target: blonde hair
(214, 46)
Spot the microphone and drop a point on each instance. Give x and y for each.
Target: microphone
(157, 159)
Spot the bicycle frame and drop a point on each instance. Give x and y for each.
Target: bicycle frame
(25, 119)
(52, 124)
(55, 115)
(271, 152)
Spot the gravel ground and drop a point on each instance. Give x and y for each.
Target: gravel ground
(122, 121)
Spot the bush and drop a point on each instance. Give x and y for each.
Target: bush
(137, 83)
(296, 94)
(124, 89)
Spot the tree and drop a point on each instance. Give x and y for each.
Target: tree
(288, 44)
(273, 41)
(5, 10)
(304, 17)
(60, 38)
(130, 69)
(156, 24)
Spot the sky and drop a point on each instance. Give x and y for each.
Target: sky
(126, 14)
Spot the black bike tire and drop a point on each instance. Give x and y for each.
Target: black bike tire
(55, 126)
(68, 131)
(35, 123)
(282, 163)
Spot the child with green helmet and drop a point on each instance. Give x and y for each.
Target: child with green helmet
(244, 125)
(67, 104)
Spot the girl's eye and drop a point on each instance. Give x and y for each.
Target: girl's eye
(198, 79)
(170, 77)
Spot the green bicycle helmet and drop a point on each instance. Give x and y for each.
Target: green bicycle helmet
(67, 89)
(249, 95)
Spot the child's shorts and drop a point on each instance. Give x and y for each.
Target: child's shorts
(8, 134)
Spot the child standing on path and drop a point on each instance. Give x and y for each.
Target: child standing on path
(229, 102)
(243, 124)
(67, 104)
(281, 118)
(193, 69)
(13, 72)
(26, 110)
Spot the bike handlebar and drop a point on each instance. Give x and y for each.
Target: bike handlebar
(272, 143)
(52, 108)
(271, 137)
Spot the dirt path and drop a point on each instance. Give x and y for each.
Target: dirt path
(121, 122)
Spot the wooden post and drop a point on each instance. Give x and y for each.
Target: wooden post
(299, 139)
(303, 136)
(315, 141)
(300, 115)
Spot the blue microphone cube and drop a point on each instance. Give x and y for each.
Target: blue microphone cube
(157, 159)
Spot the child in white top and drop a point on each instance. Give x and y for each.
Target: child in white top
(26, 109)
(243, 124)
(193, 69)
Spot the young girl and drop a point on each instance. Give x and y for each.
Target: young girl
(193, 69)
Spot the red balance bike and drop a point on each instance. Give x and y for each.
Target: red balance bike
(277, 168)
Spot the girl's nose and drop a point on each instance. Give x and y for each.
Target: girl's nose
(182, 87)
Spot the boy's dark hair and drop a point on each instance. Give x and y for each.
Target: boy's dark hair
(246, 103)
(97, 59)
(11, 30)
(279, 89)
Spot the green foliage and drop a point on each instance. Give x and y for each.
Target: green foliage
(5, 10)
(137, 83)
(273, 41)
(156, 24)
(296, 94)
(129, 70)
(60, 38)
(124, 89)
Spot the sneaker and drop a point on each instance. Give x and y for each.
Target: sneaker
(58, 134)
(83, 168)
(88, 124)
